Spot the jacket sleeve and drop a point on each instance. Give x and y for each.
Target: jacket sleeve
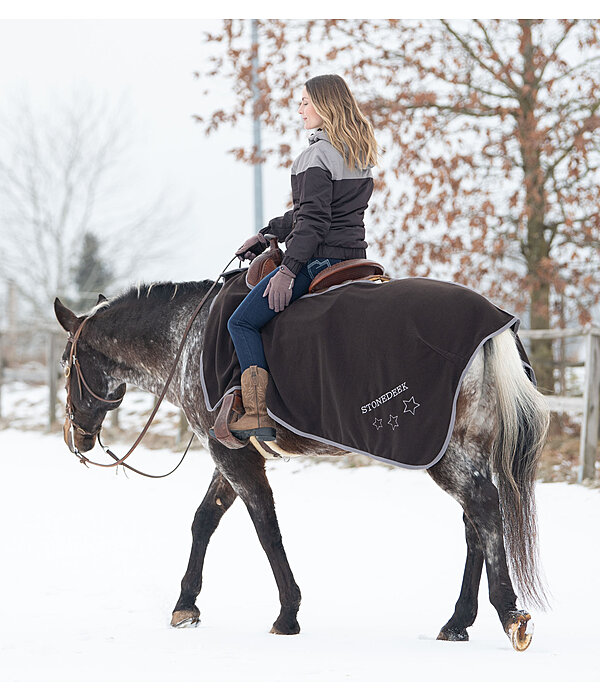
(313, 216)
(280, 226)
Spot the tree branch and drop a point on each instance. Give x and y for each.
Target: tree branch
(506, 82)
(565, 151)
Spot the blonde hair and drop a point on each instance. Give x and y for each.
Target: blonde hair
(347, 127)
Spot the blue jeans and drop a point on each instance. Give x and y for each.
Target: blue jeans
(253, 313)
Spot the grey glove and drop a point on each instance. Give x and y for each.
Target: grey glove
(280, 288)
(252, 247)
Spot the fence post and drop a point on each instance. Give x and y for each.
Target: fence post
(52, 377)
(1, 373)
(591, 407)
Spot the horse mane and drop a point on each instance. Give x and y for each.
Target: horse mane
(155, 293)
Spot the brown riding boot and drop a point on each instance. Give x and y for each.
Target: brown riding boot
(255, 420)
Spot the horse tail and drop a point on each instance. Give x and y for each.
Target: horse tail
(523, 419)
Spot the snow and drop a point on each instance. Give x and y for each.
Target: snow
(92, 562)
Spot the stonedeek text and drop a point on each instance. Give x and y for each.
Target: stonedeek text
(383, 398)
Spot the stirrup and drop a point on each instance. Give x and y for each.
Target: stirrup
(232, 403)
(258, 433)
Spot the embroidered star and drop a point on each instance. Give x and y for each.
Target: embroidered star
(411, 405)
(378, 423)
(393, 422)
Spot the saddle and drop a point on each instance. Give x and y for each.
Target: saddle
(341, 272)
(265, 263)
(260, 267)
(346, 271)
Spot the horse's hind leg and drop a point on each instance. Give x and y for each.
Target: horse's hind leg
(465, 611)
(217, 500)
(464, 476)
(246, 474)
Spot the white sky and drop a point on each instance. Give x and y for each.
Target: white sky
(150, 63)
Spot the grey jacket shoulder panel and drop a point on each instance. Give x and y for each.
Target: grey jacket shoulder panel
(321, 154)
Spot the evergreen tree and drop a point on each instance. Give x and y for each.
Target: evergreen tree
(91, 274)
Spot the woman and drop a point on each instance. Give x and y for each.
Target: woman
(331, 187)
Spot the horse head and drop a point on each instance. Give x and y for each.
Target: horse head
(91, 390)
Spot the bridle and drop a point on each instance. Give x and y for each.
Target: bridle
(74, 365)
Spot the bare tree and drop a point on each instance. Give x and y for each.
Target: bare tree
(61, 175)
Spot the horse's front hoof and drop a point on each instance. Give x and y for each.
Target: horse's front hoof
(280, 627)
(185, 618)
(519, 629)
(293, 630)
(453, 634)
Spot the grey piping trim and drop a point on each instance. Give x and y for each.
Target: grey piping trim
(397, 279)
(450, 428)
(205, 392)
(202, 381)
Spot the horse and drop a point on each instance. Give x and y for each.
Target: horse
(489, 466)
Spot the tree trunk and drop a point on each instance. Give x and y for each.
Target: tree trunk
(536, 248)
(541, 350)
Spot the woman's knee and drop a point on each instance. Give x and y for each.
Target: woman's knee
(234, 323)
(241, 319)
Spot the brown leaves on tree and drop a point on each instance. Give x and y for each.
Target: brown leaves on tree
(490, 136)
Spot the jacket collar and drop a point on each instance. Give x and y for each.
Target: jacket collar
(318, 135)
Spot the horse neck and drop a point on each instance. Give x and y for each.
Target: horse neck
(141, 337)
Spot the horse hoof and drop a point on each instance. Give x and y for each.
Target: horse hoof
(520, 630)
(292, 630)
(185, 618)
(448, 634)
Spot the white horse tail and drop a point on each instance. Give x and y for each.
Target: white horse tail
(523, 419)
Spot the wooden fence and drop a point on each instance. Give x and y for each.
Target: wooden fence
(588, 404)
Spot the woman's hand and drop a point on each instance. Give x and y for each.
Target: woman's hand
(252, 247)
(280, 288)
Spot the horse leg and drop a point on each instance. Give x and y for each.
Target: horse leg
(465, 611)
(244, 469)
(217, 500)
(465, 478)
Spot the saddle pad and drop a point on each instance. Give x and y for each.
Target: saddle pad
(372, 368)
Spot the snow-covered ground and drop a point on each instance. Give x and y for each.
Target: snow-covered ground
(91, 565)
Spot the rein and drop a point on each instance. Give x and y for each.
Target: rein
(74, 363)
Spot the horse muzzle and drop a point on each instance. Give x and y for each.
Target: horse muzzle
(77, 439)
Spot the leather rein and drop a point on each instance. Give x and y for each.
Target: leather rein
(73, 364)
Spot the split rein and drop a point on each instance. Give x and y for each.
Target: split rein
(73, 364)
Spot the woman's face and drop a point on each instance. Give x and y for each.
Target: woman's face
(308, 113)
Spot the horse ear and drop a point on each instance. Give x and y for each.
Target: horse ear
(101, 298)
(67, 319)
